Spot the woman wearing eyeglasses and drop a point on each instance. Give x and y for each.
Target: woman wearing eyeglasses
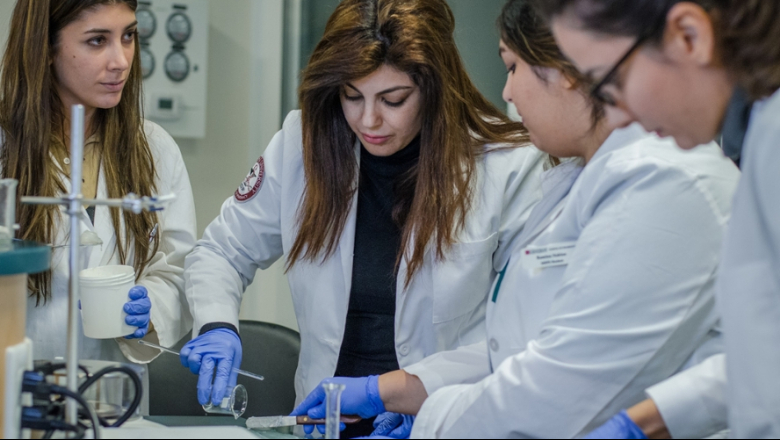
(609, 289)
(696, 70)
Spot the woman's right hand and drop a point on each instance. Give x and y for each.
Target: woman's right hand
(393, 425)
(220, 349)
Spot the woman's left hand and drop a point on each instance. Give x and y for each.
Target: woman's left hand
(138, 311)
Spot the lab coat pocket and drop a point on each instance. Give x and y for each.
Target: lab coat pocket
(461, 282)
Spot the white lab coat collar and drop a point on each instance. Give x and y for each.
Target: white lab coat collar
(92, 256)
(620, 138)
(556, 185)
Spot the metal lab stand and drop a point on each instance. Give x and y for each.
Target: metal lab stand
(75, 202)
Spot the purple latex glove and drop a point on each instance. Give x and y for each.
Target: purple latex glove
(392, 425)
(360, 398)
(138, 311)
(218, 349)
(619, 427)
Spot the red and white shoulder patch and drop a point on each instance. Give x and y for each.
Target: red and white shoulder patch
(253, 183)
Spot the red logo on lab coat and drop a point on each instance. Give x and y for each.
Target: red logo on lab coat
(254, 181)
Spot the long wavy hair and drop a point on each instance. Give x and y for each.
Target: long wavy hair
(415, 37)
(33, 122)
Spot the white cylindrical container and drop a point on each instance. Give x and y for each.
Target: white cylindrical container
(104, 293)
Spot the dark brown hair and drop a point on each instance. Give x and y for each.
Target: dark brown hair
(748, 31)
(529, 36)
(33, 121)
(415, 37)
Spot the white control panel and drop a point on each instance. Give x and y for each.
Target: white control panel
(174, 37)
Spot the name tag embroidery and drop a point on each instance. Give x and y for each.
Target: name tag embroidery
(553, 255)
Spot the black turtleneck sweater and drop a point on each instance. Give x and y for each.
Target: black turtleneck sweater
(369, 338)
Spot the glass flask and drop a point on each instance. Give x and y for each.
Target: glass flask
(233, 405)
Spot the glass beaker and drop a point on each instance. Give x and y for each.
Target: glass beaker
(7, 212)
(234, 405)
(333, 409)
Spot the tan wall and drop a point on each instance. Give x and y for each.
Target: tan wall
(244, 113)
(6, 10)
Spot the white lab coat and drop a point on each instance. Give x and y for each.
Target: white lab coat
(163, 278)
(749, 299)
(443, 308)
(749, 282)
(693, 403)
(570, 346)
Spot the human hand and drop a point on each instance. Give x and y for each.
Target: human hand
(138, 311)
(619, 427)
(360, 397)
(220, 349)
(393, 425)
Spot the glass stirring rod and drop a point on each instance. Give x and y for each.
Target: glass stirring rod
(235, 370)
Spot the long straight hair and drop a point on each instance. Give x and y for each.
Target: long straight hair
(415, 37)
(33, 121)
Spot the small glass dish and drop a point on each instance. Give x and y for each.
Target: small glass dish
(234, 405)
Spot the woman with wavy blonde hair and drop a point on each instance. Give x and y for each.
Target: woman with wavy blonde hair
(392, 195)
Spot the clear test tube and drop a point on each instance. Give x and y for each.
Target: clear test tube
(333, 409)
(233, 405)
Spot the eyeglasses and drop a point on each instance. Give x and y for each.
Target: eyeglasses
(597, 92)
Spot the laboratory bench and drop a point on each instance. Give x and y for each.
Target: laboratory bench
(192, 427)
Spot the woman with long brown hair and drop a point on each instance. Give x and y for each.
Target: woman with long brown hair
(66, 52)
(609, 288)
(392, 195)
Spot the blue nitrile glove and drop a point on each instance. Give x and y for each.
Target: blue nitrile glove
(360, 398)
(619, 427)
(220, 349)
(138, 311)
(393, 425)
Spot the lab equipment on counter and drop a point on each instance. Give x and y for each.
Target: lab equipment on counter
(104, 293)
(333, 409)
(274, 422)
(233, 405)
(75, 206)
(16, 262)
(236, 370)
(7, 212)
(109, 387)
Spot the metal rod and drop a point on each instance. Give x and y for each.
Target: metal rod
(169, 351)
(74, 211)
(146, 203)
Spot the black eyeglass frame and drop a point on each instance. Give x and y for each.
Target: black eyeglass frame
(595, 90)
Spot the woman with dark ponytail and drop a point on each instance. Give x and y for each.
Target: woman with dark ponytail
(698, 70)
(66, 52)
